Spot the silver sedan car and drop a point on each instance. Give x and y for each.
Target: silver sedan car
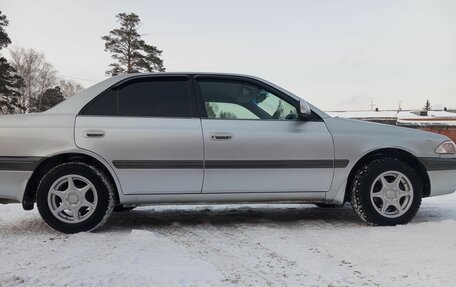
(142, 139)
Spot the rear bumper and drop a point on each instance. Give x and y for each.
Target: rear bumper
(442, 174)
(12, 185)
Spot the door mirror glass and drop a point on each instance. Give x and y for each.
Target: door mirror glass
(304, 110)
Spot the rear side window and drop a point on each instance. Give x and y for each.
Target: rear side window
(103, 105)
(145, 97)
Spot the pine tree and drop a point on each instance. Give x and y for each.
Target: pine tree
(227, 115)
(427, 106)
(50, 98)
(131, 53)
(10, 83)
(211, 109)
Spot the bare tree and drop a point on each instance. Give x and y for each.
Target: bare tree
(38, 76)
(70, 87)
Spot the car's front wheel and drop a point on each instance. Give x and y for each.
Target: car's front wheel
(74, 197)
(386, 192)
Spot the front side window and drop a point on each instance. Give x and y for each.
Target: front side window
(241, 100)
(145, 97)
(217, 110)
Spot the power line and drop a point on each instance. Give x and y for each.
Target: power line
(77, 78)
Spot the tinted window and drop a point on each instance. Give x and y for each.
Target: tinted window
(104, 105)
(145, 97)
(242, 100)
(156, 98)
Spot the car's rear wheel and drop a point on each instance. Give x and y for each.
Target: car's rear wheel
(74, 197)
(386, 192)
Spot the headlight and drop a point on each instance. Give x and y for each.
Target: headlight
(447, 147)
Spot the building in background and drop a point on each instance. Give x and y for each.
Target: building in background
(442, 122)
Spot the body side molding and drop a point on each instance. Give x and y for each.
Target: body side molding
(20, 163)
(229, 164)
(438, 163)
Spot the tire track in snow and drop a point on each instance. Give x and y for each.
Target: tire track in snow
(231, 252)
(234, 271)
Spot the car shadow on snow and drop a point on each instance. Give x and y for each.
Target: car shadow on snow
(229, 215)
(193, 215)
(298, 215)
(242, 215)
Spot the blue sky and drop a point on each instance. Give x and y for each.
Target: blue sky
(338, 55)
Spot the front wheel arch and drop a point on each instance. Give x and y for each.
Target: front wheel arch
(399, 154)
(29, 198)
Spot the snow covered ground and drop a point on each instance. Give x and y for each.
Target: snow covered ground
(239, 245)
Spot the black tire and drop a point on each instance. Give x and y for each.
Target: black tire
(361, 192)
(103, 189)
(327, 205)
(121, 208)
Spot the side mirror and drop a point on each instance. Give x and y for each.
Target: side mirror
(304, 110)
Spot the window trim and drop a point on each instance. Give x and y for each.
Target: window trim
(200, 100)
(194, 110)
(196, 100)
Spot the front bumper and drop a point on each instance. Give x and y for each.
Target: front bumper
(442, 174)
(442, 182)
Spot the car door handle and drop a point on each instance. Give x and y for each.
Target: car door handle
(221, 136)
(94, 134)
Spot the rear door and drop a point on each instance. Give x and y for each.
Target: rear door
(148, 129)
(254, 141)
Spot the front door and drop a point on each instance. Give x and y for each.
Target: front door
(254, 141)
(148, 130)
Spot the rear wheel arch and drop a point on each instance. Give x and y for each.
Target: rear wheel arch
(47, 164)
(396, 153)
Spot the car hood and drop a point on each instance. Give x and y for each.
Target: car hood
(356, 126)
(363, 137)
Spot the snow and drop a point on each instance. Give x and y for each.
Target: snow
(431, 114)
(363, 114)
(404, 118)
(392, 114)
(426, 122)
(233, 245)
